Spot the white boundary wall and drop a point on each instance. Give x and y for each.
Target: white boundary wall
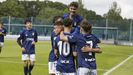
(13, 37)
(47, 38)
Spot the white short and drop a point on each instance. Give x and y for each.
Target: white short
(30, 57)
(1, 44)
(52, 67)
(59, 73)
(86, 71)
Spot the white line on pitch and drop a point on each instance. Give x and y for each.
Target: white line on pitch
(5, 61)
(39, 64)
(112, 69)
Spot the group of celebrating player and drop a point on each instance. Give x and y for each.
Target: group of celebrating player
(73, 45)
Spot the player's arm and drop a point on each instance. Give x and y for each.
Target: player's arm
(19, 41)
(56, 51)
(89, 49)
(3, 33)
(75, 55)
(74, 51)
(35, 38)
(71, 38)
(63, 37)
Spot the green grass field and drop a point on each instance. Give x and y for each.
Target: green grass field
(11, 64)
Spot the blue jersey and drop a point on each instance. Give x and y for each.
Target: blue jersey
(85, 59)
(27, 37)
(75, 21)
(65, 63)
(3, 31)
(52, 56)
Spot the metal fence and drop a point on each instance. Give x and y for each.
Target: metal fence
(104, 29)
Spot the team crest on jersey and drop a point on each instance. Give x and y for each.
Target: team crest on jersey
(75, 23)
(54, 38)
(33, 34)
(26, 34)
(70, 36)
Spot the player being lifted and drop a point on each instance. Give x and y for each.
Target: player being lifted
(86, 46)
(65, 63)
(76, 18)
(27, 40)
(58, 27)
(3, 32)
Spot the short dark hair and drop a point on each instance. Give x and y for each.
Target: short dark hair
(58, 23)
(27, 20)
(75, 4)
(67, 22)
(87, 27)
(55, 18)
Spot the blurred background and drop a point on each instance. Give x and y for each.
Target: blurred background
(110, 26)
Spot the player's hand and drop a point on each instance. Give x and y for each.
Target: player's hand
(62, 34)
(71, 15)
(1, 33)
(23, 49)
(33, 43)
(86, 49)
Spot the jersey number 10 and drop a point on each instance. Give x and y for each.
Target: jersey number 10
(64, 48)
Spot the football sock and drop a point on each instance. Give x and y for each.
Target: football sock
(30, 69)
(0, 49)
(25, 70)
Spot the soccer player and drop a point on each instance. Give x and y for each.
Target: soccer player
(76, 18)
(58, 27)
(3, 32)
(65, 63)
(86, 46)
(86, 57)
(27, 40)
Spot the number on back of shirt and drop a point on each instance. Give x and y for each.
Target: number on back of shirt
(91, 45)
(64, 48)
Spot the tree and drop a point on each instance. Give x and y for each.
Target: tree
(12, 8)
(48, 13)
(114, 12)
(32, 8)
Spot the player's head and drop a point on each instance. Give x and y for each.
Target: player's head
(67, 23)
(28, 24)
(1, 24)
(73, 6)
(85, 27)
(57, 18)
(58, 27)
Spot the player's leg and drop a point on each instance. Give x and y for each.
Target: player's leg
(31, 63)
(52, 67)
(93, 72)
(1, 45)
(82, 71)
(0, 49)
(25, 60)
